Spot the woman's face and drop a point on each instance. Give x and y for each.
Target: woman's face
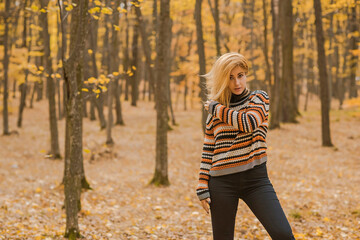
(237, 82)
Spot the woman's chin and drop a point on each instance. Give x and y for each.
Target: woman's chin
(238, 91)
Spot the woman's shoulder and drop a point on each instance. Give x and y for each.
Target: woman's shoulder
(260, 94)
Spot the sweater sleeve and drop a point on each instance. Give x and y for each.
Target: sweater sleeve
(202, 190)
(245, 120)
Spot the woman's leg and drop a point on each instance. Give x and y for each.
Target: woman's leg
(223, 207)
(261, 198)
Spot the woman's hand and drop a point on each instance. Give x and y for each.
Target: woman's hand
(206, 204)
(206, 104)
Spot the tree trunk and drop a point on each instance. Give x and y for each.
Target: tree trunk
(109, 140)
(161, 164)
(287, 94)
(202, 62)
(115, 66)
(215, 14)
(353, 92)
(275, 88)
(146, 48)
(24, 33)
(6, 68)
(126, 54)
(74, 176)
(23, 86)
(268, 70)
(54, 136)
(134, 65)
(325, 121)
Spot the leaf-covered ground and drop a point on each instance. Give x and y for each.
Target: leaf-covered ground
(318, 187)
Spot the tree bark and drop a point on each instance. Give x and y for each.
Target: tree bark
(202, 62)
(24, 33)
(115, 65)
(161, 164)
(109, 140)
(325, 121)
(6, 68)
(74, 176)
(54, 136)
(215, 14)
(146, 48)
(23, 86)
(126, 54)
(275, 88)
(134, 65)
(287, 94)
(268, 70)
(353, 91)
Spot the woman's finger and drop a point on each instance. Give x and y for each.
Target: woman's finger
(205, 204)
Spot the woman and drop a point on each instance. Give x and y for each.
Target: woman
(234, 154)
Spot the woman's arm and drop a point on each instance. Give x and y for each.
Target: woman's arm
(245, 120)
(202, 190)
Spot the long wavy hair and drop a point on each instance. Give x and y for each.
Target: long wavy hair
(219, 76)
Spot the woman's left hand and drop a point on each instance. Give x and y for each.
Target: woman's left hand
(206, 104)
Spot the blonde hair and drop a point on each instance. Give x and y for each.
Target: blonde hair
(219, 76)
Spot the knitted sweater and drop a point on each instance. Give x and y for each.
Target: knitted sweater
(235, 138)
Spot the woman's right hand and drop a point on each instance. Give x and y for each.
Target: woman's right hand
(206, 204)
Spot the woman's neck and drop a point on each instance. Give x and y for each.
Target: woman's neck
(239, 97)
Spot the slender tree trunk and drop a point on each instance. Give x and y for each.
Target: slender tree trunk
(170, 63)
(215, 14)
(146, 48)
(202, 62)
(353, 92)
(23, 87)
(161, 164)
(6, 68)
(109, 140)
(134, 66)
(253, 40)
(268, 70)
(33, 94)
(289, 110)
(126, 54)
(275, 87)
(325, 121)
(58, 79)
(24, 33)
(54, 136)
(64, 23)
(97, 101)
(74, 176)
(115, 66)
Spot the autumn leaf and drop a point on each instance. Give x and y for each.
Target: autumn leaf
(69, 8)
(117, 28)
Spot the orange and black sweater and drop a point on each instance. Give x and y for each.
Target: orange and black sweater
(235, 137)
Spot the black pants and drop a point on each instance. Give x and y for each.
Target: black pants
(255, 189)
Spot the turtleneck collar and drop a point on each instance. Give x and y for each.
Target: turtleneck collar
(235, 98)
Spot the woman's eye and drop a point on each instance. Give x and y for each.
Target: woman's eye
(241, 75)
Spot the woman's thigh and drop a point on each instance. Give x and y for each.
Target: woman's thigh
(261, 198)
(223, 207)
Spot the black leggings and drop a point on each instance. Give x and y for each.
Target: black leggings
(255, 189)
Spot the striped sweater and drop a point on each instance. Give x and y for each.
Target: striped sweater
(235, 138)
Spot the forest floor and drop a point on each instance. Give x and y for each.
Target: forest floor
(318, 187)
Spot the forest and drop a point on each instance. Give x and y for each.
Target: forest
(103, 121)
